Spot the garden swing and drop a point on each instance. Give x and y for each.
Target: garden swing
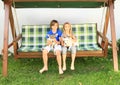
(87, 45)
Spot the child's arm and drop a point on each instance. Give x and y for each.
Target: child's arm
(57, 42)
(49, 42)
(61, 41)
(74, 38)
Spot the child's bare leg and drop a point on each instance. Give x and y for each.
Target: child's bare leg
(73, 51)
(64, 50)
(64, 62)
(72, 63)
(45, 61)
(58, 55)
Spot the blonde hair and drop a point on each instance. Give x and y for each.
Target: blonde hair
(70, 30)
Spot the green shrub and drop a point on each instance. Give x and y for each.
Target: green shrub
(118, 44)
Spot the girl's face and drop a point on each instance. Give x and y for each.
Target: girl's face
(55, 26)
(67, 27)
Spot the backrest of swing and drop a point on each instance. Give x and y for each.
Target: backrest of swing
(86, 36)
(34, 37)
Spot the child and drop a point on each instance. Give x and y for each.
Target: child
(52, 44)
(68, 41)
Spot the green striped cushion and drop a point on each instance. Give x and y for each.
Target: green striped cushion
(87, 36)
(33, 37)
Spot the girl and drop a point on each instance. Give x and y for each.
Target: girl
(68, 42)
(56, 48)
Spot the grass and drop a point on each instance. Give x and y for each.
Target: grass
(89, 71)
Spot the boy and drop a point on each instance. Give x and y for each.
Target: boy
(56, 48)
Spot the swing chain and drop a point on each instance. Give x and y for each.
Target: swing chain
(103, 15)
(16, 18)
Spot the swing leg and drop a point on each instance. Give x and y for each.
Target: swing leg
(6, 31)
(113, 33)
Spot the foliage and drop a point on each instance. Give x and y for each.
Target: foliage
(118, 45)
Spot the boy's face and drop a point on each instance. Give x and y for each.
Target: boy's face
(55, 26)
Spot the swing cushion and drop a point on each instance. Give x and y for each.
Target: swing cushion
(87, 36)
(33, 37)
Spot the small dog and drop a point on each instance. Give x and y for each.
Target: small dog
(52, 38)
(69, 42)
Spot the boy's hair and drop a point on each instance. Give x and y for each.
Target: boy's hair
(53, 22)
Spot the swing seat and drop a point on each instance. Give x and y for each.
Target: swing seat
(33, 40)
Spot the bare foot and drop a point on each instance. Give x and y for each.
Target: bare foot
(64, 68)
(72, 67)
(60, 71)
(43, 70)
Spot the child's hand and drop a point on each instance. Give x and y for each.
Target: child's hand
(56, 42)
(63, 44)
(49, 42)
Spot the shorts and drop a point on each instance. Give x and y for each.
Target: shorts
(56, 47)
(72, 49)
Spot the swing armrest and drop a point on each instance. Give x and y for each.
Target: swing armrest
(104, 42)
(18, 38)
(101, 35)
(15, 40)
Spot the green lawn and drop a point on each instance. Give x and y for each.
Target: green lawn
(89, 71)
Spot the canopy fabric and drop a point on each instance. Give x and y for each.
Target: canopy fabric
(59, 3)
